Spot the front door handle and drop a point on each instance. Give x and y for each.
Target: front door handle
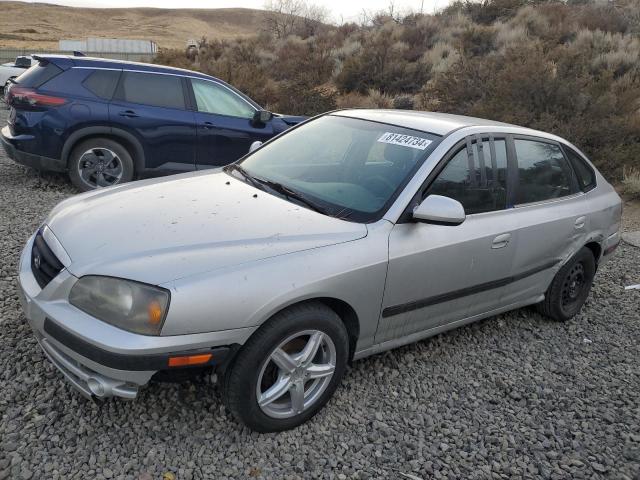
(579, 223)
(501, 240)
(208, 125)
(128, 114)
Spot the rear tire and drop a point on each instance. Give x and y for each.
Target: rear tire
(267, 397)
(100, 162)
(570, 287)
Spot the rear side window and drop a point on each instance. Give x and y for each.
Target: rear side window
(476, 176)
(586, 175)
(544, 172)
(152, 89)
(102, 83)
(38, 75)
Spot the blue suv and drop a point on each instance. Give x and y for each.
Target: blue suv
(107, 122)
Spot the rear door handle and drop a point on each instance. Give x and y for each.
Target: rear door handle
(208, 125)
(579, 223)
(128, 114)
(501, 241)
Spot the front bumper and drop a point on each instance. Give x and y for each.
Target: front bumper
(95, 357)
(11, 145)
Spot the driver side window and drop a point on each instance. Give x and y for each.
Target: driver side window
(214, 98)
(476, 176)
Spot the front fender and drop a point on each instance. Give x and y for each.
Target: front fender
(248, 295)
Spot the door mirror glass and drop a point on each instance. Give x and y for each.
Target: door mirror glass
(439, 210)
(255, 145)
(262, 117)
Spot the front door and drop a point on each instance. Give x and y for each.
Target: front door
(225, 125)
(439, 274)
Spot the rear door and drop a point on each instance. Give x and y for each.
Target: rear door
(153, 106)
(552, 216)
(440, 274)
(224, 124)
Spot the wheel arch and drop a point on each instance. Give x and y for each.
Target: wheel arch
(596, 249)
(128, 141)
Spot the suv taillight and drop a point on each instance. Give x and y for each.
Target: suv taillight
(28, 97)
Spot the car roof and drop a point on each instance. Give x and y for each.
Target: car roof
(118, 64)
(432, 122)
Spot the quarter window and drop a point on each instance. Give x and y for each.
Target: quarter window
(476, 176)
(543, 172)
(102, 83)
(585, 174)
(152, 89)
(214, 98)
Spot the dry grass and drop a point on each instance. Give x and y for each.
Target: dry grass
(631, 181)
(168, 28)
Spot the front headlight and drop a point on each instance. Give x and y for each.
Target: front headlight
(133, 306)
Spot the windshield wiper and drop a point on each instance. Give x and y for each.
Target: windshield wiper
(291, 194)
(236, 167)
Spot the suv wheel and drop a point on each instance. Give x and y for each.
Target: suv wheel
(570, 287)
(288, 369)
(100, 162)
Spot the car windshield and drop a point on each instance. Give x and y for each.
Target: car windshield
(344, 167)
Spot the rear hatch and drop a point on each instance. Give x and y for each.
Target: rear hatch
(24, 95)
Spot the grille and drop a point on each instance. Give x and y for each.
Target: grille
(44, 264)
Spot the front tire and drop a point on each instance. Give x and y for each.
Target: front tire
(288, 369)
(570, 287)
(99, 162)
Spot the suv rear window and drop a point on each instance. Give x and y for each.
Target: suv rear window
(102, 83)
(152, 89)
(586, 175)
(38, 75)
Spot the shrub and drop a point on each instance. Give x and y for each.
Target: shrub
(631, 181)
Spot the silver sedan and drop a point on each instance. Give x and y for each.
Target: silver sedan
(356, 232)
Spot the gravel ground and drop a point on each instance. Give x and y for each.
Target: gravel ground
(514, 396)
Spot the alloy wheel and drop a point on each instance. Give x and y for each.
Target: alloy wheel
(100, 167)
(296, 373)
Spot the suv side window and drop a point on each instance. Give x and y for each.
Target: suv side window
(102, 83)
(586, 175)
(214, 98)
(476, 176)
(152, 89)
(543, 171)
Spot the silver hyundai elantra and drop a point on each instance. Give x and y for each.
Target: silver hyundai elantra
(353, 233)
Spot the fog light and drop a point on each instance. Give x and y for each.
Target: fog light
(96, 387)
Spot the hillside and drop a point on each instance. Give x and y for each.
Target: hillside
(41, 25)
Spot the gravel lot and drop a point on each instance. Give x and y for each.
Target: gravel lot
(510, 397)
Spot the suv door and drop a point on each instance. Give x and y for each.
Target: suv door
(552, 214)
(225, 124)
(152, 106)
(440, 274)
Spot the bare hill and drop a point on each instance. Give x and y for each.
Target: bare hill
(41, 25)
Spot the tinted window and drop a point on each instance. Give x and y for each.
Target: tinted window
(152, 89)
(38, 75)
(478, 181)
(586, 175)
(102, 83)
(544, 172)
(214, 98)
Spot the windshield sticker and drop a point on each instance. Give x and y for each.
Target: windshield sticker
(404, 140)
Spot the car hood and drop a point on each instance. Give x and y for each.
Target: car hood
(159, 230)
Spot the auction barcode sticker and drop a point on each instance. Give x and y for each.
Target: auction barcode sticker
(404, 140)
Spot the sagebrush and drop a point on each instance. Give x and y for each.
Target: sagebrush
(568, 68)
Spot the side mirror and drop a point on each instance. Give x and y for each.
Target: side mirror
(439, 210)
(255, 145)
(260, 117)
